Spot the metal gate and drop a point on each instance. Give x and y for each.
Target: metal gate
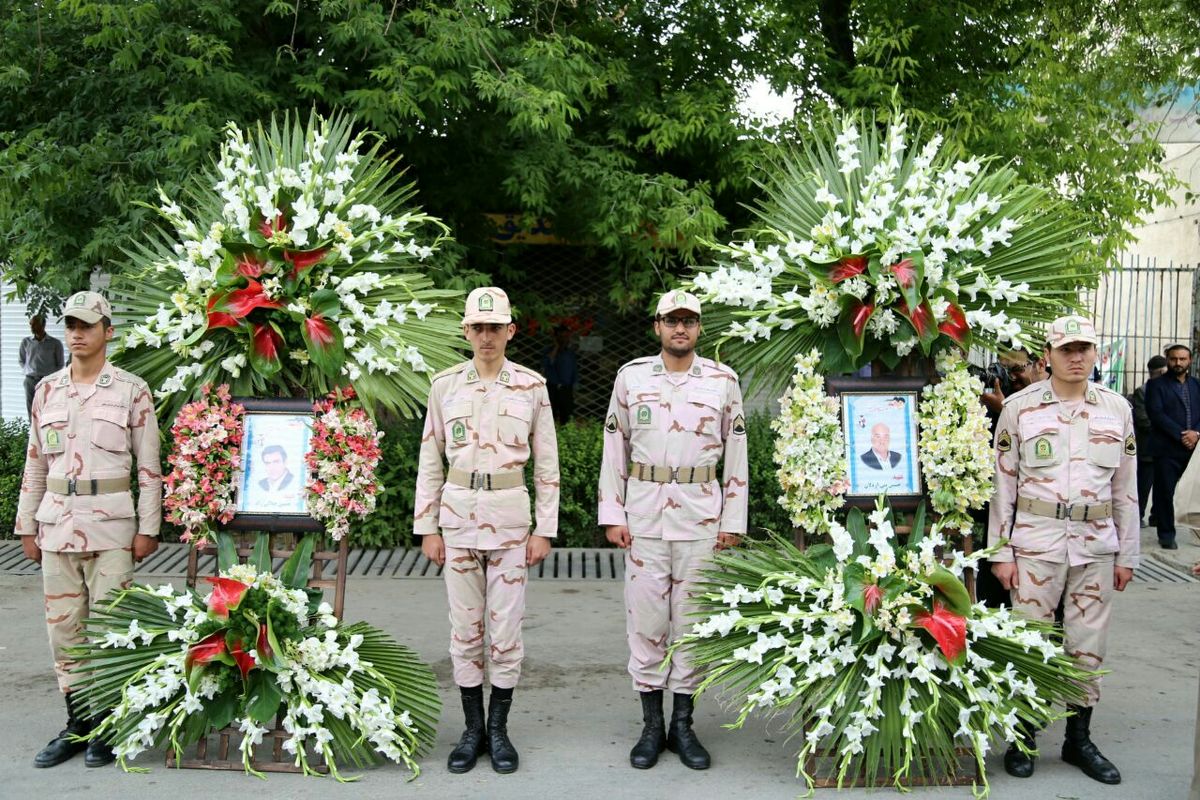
(1149, 307)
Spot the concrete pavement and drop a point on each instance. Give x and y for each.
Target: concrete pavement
(575, 716)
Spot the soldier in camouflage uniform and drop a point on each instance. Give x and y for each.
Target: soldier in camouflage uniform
(486, 417)
(1066, 499)
(76, 515)
(671, 419)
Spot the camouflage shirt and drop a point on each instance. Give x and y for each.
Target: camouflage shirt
(83, 431)
(688, 419)
(1046, 451)
(487, 428)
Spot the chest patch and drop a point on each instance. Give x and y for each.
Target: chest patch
(458, 431)
(643, 415)
(1043, 449)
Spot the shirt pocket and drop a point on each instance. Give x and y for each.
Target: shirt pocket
(457, 422)
(110, 428)
(1041, 444)
(704, 408)
(513, 422)
(52, 429)
(644, 409)
(1104, 445)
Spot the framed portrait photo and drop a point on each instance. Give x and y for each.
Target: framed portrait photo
(272, 480)
(879, 432)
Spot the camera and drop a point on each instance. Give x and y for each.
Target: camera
(990, 374)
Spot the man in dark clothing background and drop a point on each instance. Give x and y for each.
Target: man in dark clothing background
(1173, 405)
(1144, 430)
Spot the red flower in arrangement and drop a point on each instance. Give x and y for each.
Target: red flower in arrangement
(241, 302)
(269, 229)
(264, 352)
(955, 326)
(860, 314)
(265, 652)
(906, 274)
(250, 266)
(227, 595)
(302, 261)
(921, 317)
(205, 650)
(245, 662)
(848, 267)
(948, 629)
(872, 597)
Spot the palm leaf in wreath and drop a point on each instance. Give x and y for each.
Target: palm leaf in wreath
(1019, 260)
(294, 264)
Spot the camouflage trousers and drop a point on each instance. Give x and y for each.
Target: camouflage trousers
(1086, 592)
(73, 584)
(658, 577)
(486, 589)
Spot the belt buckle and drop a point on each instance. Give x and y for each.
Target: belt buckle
(70, 486)
(1062, 511)
(674, 474)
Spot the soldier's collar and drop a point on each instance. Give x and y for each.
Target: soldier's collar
(658, 368)
(1091, 396)
(505, 377)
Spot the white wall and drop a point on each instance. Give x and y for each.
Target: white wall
(14, 326)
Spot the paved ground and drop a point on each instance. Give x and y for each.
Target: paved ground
(575, 716)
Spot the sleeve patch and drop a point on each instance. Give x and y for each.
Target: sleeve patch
(1130, 445)
(1004, 441)
(610, 424)
(739, 425)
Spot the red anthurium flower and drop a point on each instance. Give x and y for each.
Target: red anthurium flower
(249, 266)
(244, 660)
(302, 261)
(243, 301)
(955, 326)
(269, 229)
(848, 267)
(872, 595)
(921, 317)
(319, 331)
(905, 274)
(948, 629)
(227, 594)
(264, 643)
(205, 650)
(860, 314)
(220, 320)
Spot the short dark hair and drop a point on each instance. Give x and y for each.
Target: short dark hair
(1156, 362)
(1175, 347)
(273, 448)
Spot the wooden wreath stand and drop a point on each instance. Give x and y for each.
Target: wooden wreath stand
(968, 773)
(283, 545)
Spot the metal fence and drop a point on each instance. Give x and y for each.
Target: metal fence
(1147, 307)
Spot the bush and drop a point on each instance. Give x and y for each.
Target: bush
(14, 436)
(580, 446)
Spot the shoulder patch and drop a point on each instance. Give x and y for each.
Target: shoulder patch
(1004, 441)
(739, 425)
(457, 368)
(610, 424)
(1130, 445)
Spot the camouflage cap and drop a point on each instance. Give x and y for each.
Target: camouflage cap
(676, 300)
(1071, 328)
(90, 307)
(487, 304)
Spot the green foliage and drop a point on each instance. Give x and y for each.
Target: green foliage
(14, 436)
(766, 514)
(391, 524)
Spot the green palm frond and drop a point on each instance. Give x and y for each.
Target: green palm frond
(1031, 275)
(387, 336)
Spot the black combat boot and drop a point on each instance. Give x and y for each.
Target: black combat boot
(682, 739)
(1079, 750)
(1016, 763)
(63, 747)
(653, 740)
(474, 739)
(99, 752)
(504, 755)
